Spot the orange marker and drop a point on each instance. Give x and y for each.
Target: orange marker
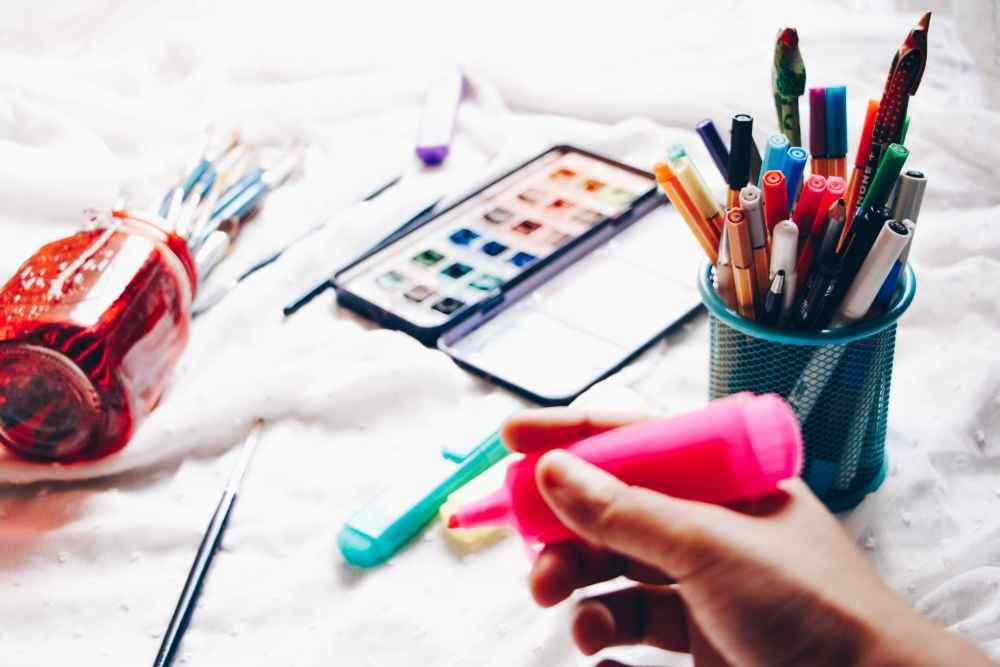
(860, 160)
(741, 251)
(696, 222)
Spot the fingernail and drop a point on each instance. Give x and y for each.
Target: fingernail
(576, 486)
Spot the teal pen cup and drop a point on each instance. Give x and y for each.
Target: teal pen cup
(836, 380)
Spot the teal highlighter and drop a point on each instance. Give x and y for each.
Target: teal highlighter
(382, 527)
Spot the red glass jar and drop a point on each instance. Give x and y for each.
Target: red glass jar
(90, 328)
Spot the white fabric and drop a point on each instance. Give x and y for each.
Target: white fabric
(98, 97)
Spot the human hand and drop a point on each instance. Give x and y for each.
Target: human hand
(777, 583)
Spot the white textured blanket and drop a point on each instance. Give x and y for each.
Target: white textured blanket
(98, 97)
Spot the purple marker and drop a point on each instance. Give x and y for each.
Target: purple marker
(437, 123)
(817, 122)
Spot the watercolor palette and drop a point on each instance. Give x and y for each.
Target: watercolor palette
(470, 252)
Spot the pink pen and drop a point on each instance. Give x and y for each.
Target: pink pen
(736, 448)
(437, 123)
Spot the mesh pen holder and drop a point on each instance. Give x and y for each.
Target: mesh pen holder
(836, 380)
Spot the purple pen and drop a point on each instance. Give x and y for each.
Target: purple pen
(817, 122)
(716, 147)
(437, 123)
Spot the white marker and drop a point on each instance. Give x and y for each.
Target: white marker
(784, 252)
(884, 253)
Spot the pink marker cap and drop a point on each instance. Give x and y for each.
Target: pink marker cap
(775, 437)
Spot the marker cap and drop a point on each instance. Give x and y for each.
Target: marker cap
(793, 167)
(836, 121)
(750, 203)
(817, 122)
(873, 272)
(805, 210)
(784, 247)
(741, 146)
(740, 245)
(885, 176)
(775, 437)
(909, 196)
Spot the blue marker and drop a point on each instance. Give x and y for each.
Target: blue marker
(836, 122)
(774, 155)
(793, 167)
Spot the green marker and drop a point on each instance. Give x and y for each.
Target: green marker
(885, 177)
(380, 528)
(788, 83)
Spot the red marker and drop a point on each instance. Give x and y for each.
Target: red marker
(775, 199)
(808, 204)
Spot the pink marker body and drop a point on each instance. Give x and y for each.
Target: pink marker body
(737, 447)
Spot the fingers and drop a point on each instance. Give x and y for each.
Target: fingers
(563, 567)
(640, 615)
(534, 430)
(677, 536)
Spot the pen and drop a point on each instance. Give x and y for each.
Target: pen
(741, 252)
(793, 168)
(703, 232)
(905, 72)
(836, 130)
(788, 83)
(740, 149)
(817, 130)
(827, 222)
(752, 209)
(860, 158)
(755, 162)
(884, 253)
(775, 199)
(690, 177)
(820, 288)
(784, 251)
(909, 195)
(832, 195)
(725, 282)
(805, 209)
(773, 299)
(774, 155)
(716, 146)
(866, 228)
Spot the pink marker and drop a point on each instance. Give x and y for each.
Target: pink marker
(736, 448)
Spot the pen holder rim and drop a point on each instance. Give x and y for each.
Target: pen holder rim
(838, 336)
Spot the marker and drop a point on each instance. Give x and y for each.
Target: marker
(820, 288)
(755, 162)
(703, 232)
(909, 196)
(860, 158)
(695, 186)
(805, 209)
(739, 157)
(725, 282)
(784, 251)
(741, 251)
(716, 146)
(737, 447)
(437, 122)
(773, 300)
(836, 130)
(774, 155)
(885, 178)
(793, 168)
(867, 227)
(817, 130)
(775, 199)
(788, 83)
(377, 531)
(834, 192)
(884, 253)
(751, 205)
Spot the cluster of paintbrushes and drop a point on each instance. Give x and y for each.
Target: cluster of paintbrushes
(817, 251)
(221, 192)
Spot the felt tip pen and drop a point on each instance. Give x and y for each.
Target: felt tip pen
(738, 447)
(774, 155)
(793, 168)
(437, 122)
(805, 209)
(775, 199)
(860, 158)
(834, 193)
(884, 253)
(725, 282)
(696, 187)
(750, 202)
(741, 253)
(784, 251)
(830, 222)
(715, 145)
(377, 531)
(866, 228)
(906, 206)
(774, 299)
(884, 181)
(820, 288)
(788, 83)
(755, 162)
(817, 130)
(700, 228)
(836, 130)
(741, 146)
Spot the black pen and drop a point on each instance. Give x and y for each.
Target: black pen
(773, 299)
(820, 288)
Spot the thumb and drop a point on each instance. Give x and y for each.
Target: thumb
(678, 536)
